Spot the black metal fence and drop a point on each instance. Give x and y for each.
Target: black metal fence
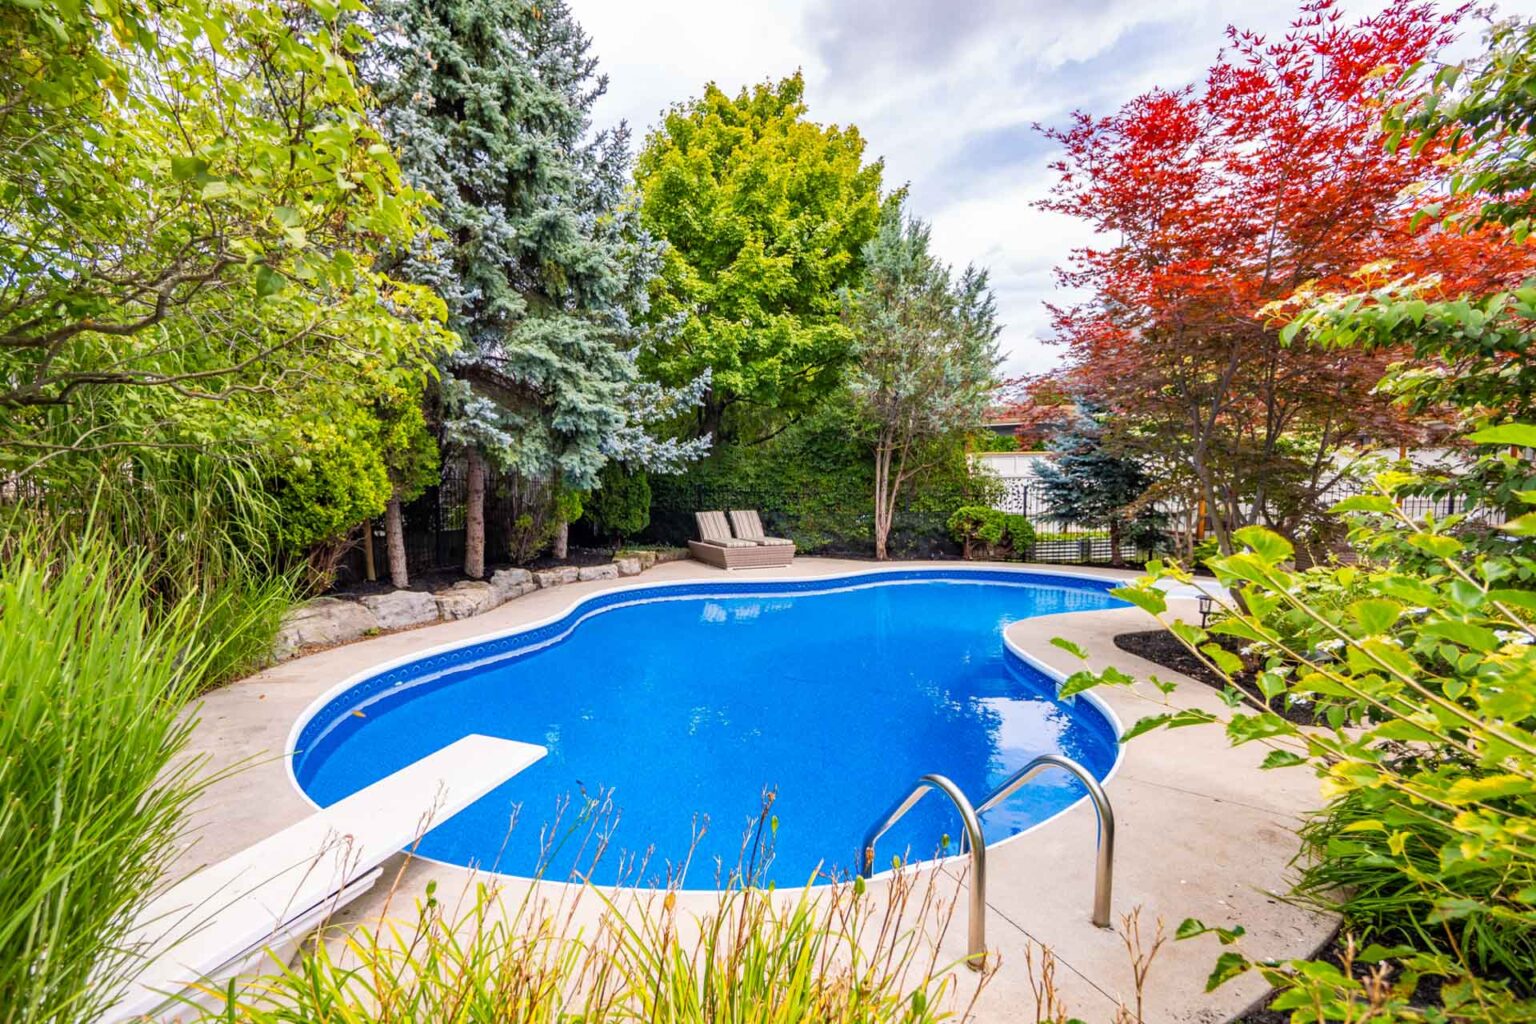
(434, 530)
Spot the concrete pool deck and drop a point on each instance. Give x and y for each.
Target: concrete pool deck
(1202, 832)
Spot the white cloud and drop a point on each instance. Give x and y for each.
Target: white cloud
(945, 91)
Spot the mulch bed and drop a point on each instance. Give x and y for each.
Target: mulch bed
(1163, 648)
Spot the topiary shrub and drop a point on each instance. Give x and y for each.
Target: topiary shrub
(976, 526)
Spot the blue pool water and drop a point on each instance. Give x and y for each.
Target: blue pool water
(678, 707)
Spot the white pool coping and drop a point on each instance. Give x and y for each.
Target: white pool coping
(1202, 831)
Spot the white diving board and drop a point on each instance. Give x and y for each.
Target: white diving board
(221, 921)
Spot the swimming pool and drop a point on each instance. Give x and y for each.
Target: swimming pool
(671, 710)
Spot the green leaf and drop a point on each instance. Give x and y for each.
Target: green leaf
(1466, 791)
(188, 168)
(1375, 614)
(1071, 648)
(1464, 633)
(1148, 599)
(268, 281)
(1365, 503)
(1267, 544)
(1435, 544)
(1521, 526)
(287, 216)
(216, 189)
(1282, 759)
(1522, 435)
(1228, 966)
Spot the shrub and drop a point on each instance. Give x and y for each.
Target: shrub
(1423, 662)
(991, 532)
(814, 484)
(621, 505)
(974, 525)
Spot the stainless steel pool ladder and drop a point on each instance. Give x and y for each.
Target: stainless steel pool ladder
(970, 817)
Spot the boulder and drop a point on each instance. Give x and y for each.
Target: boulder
(401, 609)
(644, 556)
(510, 583)
(670, 555)
(598, 572)
(324, 620)
(556, 577)
(466, 598)
(628, 566)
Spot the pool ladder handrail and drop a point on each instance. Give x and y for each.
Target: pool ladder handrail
(970, 817)
(977, 924)
(1104, 867)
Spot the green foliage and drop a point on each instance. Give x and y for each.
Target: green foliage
(335, 478)
(1090, 483)
(1485, 112)
(835, 955)
(1423, 661)
(812, 484)
(764, 213)
(621, 505)
(95, 667)
(536, 252)
(191, 202)
(991, 441)
(991, 533)
(926, 354)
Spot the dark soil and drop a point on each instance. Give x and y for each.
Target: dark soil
(1426, 994)
(1163, 648)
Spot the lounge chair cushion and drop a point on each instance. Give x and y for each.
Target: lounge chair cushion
(748, 525)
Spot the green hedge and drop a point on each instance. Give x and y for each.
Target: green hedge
(814, 484)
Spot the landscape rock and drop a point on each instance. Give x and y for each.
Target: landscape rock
(598, 572)
(670, 555)
(510, 583)
(556, 577)
(324, 620)
(401, 609)
(628, 566)
(466, 598)
(644, 556)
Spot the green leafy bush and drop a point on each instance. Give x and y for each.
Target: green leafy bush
(814, 484)
(990, 533)
(1423, 662)
(621, 505)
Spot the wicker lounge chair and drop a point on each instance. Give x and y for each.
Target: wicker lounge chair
(746, 525)
(717, 547)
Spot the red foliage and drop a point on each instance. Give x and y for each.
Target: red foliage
(1216, 204)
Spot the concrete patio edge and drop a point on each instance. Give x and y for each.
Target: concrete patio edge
(1203, 831)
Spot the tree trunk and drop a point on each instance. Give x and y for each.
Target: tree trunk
(370, 569)
(560, 546)
(883, 499)
(1114, 542)
(474, 515)
(394, 543)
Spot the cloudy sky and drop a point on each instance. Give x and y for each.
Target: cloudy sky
(946, 91)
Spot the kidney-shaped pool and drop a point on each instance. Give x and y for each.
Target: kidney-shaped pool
(669, 711)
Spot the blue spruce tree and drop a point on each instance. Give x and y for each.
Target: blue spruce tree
(542, 263)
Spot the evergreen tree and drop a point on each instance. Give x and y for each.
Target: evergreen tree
(543, 266)
(1090, 484)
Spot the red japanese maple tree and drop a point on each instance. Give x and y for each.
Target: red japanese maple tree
(1218, 202)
